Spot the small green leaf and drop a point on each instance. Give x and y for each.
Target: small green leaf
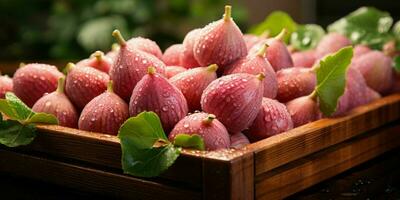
(331, 79)
(7, 110)
(43, 118)
(143, 130)
(306, 36)
(13, 134)
(21, 111)
(274, 23)
(396, 65)
(189, 141)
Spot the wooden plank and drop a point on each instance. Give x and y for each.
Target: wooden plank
(299, 142)
(93, 180)
(305, 172)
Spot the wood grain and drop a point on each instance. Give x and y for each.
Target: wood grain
(305, 172)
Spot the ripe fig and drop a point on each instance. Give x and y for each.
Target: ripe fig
(113, 53)
(173, 55)
(277, 52)
(188, 60)
(235, 99)
(104, 114)
(295, 82)
(304, 58)
(171, 71)
(146, 45)
(213, 132)
(255, 64)
(192, 83)
(130, 66)
(220, 42)
(331, 43)
(273, 118)
(155, 93)
(32, 81)
(98, 61)
(6, 85)
(58, 104)
(84, 83)
(360, 49)
(239, 140)
(252, 40)
(303, 110)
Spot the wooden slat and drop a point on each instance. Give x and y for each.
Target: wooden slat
(299, 142)
(88, 179)
(305, 172)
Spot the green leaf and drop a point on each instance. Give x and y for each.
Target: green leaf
(189, 141)
(306, 36)
(331, 79)
(43, 118)
(13, 134)
(7, 110)
(143, 130)
(274, 23)
(396, 65)
(20, 110)
(366, 25)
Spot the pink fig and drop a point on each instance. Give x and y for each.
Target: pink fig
(220, 42)
(171, 71)
(252, 40)
(32, 81)
(213, 132)
(304, 58)
(192, 83)
(58, 104)
(155, 93)
(6, 85)
(113, 53)
(239, 140)
(295, 82)
(173, 55)
(331, 43)
(130, 66)
(303, 110)
(188, 60)
(98, 61)
(105, 113)
(84, 83)
(235, 99)
(360, 49)
(146, 45)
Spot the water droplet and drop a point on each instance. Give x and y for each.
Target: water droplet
(93, 119)
(47, 104)
(144, 61)
(42, 78)
(34, 76)
(165, 108)
(186, 125)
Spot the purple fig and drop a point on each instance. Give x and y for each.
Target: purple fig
(6, 85)
(213, 132)
(295, 82)
(239, 140)
(188, 60)
(331, 43)
(145, 45)
(155, 93)
(98, 61)
(171, 71)
(303, 110)
(173, 55)
(304, 58)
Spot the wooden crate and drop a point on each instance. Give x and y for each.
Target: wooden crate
(273, 168)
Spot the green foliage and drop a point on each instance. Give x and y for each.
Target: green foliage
(306, 36)
(189, 141)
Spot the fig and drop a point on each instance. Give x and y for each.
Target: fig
(32, 81)
(304, 58)
(331, 43)
(6, 85)
(188, 60)
(235, 99)
(303, 110)
(220, 42)
(146, 45)
(192, 83)
(113, 53)
(213, 132)
(105, 113)
(58, 104)
(98, 61)
(252, 40)
(273, 118)
(171, 71)
(360, 49)
(84, 83)
(155, 93)
(239, 140)
(130, 66)
(255, 64)
(295, 82)
(277, 52)
(172, 55)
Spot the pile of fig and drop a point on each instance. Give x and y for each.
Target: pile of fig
(227, 87)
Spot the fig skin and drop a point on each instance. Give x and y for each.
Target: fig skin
(173, 55)
(303, 110)
(277, 52)
(239, 140)
(58, 104)
(193, 82)
(130, 66)
(331, 43)
(273, 118)
(6, 85)
(360, 50)
(188, 60)
(32, 81)
(145, 45)
(295, 82)
(155, 93)
(213, 132)
(255, 64)
(235, 99)
(171, 71)
(252, 40)
(304, 59)
(84, 83)
(220, 42)
(98, 61)
(104, 114)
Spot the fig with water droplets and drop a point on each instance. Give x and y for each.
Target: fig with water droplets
(360, 49)
(192, 83)
(273, 118)
(295, 82)
(155, 93)
(188, 60)
(255, 64)
(303, 110)
(220, 42)
(113, 53)
(172, 55)
(239, 140)
(146, 45)
(235, 99)
(58, 104)
(84, 83)
(6, 85)
(98, 61)
(104, 114)
(32, 81)
(130, 66)
(171, 71)
(304, 58)
(213, 132)
(252, 40)
(331, 43)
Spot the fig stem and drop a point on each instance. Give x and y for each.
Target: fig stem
(115, 47)
(227, 14)
(260, 76)
(69, 67)
(315, 67)
(265, 34)
(313, 95)
(212, 68)
(21, 65)
(110, 86)
(262, 50)
(208, 120)
(281, 35)
(61, 85)
(117, 35)
(98, 55)
(151, 70)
